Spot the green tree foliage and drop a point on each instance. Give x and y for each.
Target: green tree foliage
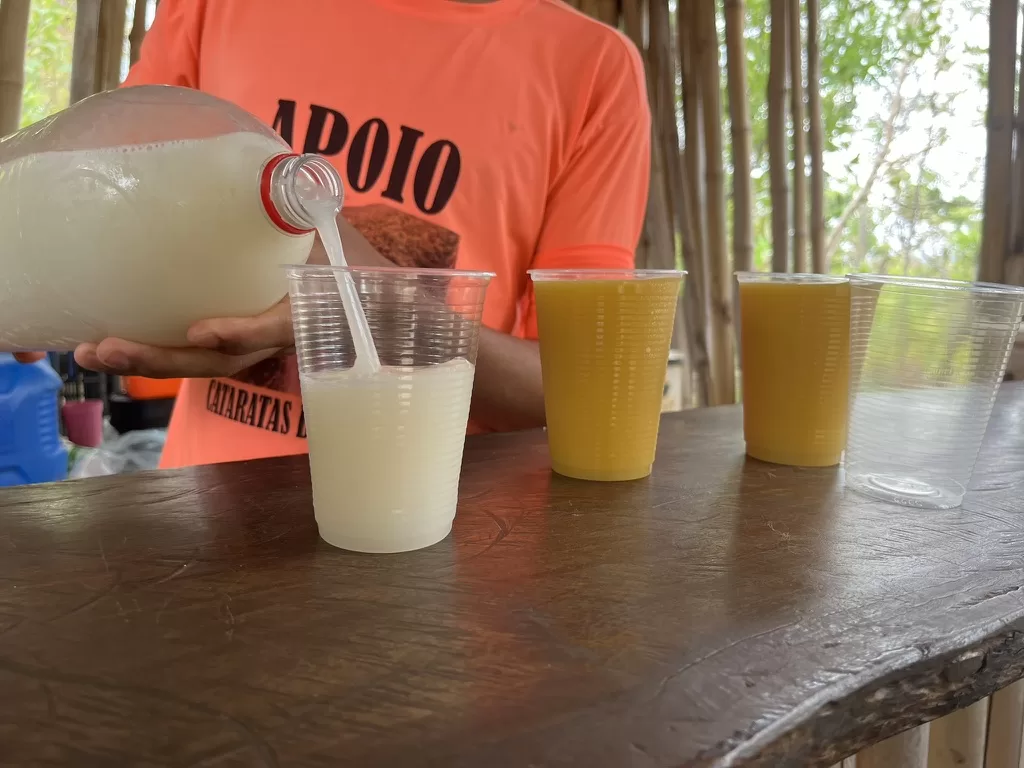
(870, 52)
(862, 43)
(51, 29)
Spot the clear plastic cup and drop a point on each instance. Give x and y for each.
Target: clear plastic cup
(926, 360)
(385, 446)
(795, 352)
(604, 344)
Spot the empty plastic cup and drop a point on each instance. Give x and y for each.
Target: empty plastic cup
(795, 352)
(604, 344)
(385, 446)
(926, 360)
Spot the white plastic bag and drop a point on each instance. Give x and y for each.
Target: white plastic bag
(130, 452)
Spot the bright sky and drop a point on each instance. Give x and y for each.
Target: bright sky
(960, 162)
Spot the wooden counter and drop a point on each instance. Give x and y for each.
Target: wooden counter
(723, 612)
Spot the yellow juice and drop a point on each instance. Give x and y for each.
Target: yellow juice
(604, 347)
(795, 349)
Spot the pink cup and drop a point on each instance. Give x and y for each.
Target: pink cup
(83, 420)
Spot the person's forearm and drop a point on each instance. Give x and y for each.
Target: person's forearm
(507, 392)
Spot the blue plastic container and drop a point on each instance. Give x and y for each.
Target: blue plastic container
(31, 450)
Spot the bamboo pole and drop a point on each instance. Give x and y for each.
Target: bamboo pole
(958, 739)
(697, 294)
(83, 57)
(658, 235)
(110, 44)
(1013, 271)
(657, 229)
(660, 244)
(796, 79)
(664, 146)
(815, 134)
(1005, 722)
(138, 32)
(739, 120)
(661, 72)
(602, 10)
(694, 168)
(995, 237)
(777, 160)
(13, 42)
(660, 67)
(906, 750)
(633, 22)
(723, 357)
(667, 211)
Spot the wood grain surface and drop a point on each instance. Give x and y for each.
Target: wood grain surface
(721, 613)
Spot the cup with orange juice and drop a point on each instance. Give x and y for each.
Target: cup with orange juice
(795, 353)
(604, 344)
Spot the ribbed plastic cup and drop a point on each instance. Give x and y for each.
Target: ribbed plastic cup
(926, 360)
(604, 344)
(385, 446)
(795, 351)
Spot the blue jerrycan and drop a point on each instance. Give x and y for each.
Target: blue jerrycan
(31, 450)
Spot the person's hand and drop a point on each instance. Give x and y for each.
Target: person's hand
(220, 347)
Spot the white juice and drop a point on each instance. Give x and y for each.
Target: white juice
(385, 453)
(137, 242)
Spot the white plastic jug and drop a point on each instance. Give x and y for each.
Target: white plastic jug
(138, 212)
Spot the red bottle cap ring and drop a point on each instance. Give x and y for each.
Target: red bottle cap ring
(268, 202)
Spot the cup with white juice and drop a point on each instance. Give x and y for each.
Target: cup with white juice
(385, 442)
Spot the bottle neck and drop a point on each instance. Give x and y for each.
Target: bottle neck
(297, 189)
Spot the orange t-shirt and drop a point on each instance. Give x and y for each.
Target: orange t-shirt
(500, 136)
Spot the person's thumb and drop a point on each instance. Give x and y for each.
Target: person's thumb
(245, 335)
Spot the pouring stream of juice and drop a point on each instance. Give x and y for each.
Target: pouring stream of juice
(323, 212)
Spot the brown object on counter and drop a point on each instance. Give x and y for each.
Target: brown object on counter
(722, 612)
